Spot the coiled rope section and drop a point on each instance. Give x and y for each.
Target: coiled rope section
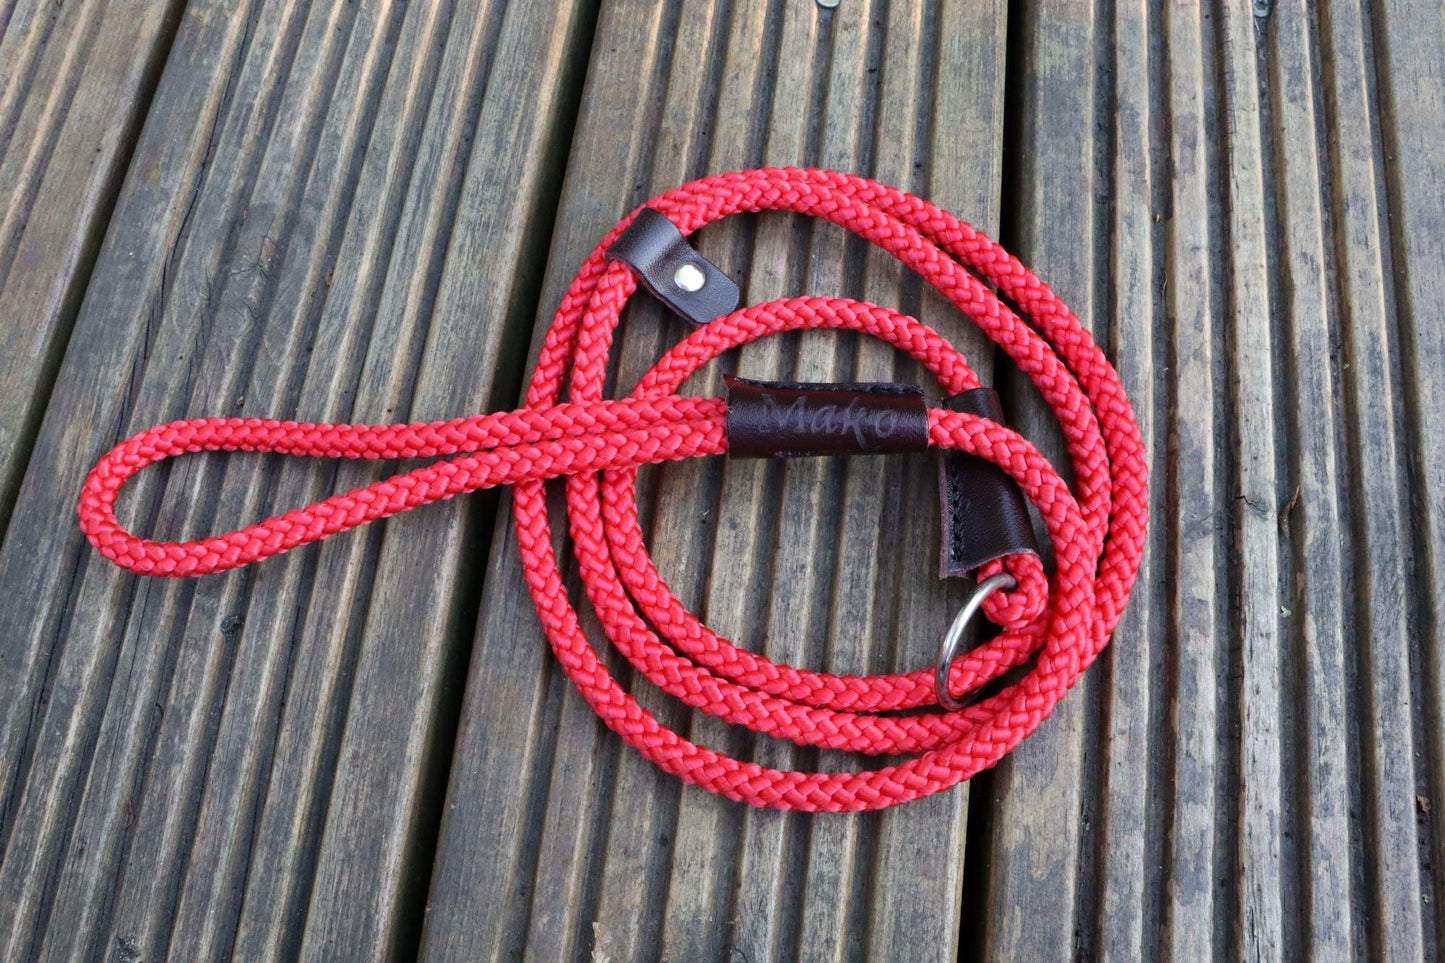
(598, 445)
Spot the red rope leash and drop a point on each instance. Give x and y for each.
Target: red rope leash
(1097, 538)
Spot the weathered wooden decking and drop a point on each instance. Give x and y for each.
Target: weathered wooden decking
(367, 211)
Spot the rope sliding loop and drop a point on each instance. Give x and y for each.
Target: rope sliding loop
(598, 444)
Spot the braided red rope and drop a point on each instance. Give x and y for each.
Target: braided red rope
(1097, 538)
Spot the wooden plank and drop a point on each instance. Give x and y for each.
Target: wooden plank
(1409, 670)
(1036, 794)
(558, 841)
(1128, 675)
(918, 859)
(75, 80)
(1253, 762)
(252, 763)
(1254, 567)
(1314, 746)
(629, 923)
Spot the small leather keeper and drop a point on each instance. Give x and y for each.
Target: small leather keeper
(985, 515)
(673, 270)
(785, 419)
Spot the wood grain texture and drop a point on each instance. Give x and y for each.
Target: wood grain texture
(75, 83)
(559, 841)
(1404, 601)
(1036, 795)
(1252, 767)
(311, 227)
(365, 211)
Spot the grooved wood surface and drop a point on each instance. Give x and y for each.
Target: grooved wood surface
(253, 764)
(812, 561)
(75, 82)
(367, 211)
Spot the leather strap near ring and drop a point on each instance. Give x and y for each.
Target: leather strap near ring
(985, 516)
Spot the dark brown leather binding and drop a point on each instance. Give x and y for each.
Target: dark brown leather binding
(785, 419)
(985, 515)
(654, 248)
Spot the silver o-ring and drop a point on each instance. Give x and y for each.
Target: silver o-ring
(954, 637)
